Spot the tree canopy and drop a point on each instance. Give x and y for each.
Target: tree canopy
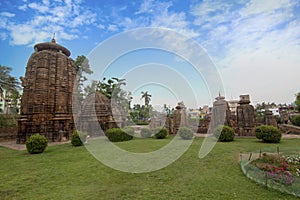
(297, 101)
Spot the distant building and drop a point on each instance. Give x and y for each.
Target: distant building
(194, 113)
(6, 102)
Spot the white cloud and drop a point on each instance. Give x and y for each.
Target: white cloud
(255, 47)
(258, 6)
(112, 27)
(7, 14)
(39, 7)
(62, 17)
(23, 7)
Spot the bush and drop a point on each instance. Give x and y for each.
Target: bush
(185, 133)
(224, 133)
(78, 138)
(36, 144)
(295, 120)
(146, 132)
(117, 135)
(160, 133)
(269, 134)
(129, 130)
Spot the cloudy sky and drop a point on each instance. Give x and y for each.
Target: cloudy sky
(254, 44)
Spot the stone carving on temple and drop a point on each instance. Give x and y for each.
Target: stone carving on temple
(46, 104)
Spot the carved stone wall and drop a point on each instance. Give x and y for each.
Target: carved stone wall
(245, 117)
(46, 104)
(98, 114)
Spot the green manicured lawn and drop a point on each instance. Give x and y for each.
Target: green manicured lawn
(66, 172)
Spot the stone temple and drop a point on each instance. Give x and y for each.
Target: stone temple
(46, 105)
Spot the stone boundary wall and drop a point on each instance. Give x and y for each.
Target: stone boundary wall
(8, 133)
(289, 129)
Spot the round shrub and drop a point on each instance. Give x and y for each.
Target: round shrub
(146, 132)
(78, 138)
(160, 133)
(117, 135)
(259, 130)
(36, 144)
(295, 120)
(185, 133)
(129, 130)
(224, 133)
(269, 134)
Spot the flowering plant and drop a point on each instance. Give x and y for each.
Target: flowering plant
(281, 169)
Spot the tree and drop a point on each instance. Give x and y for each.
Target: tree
(112, 90)
(7, 81)
(82, 67)
(147, 98)
(297, 101)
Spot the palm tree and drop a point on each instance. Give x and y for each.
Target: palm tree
(147, 98)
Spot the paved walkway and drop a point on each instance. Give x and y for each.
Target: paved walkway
(12, 144)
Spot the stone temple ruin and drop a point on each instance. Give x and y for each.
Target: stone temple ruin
(245, 117)
(98, 113)
(221, 114)
(46, 106)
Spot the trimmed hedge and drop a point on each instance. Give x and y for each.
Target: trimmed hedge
(185, 133)
(117, 135)
(295, 120)
(224, 133)
(268, 134)
(146, 132)
(160, 133)
(78, 138)
(36, 144)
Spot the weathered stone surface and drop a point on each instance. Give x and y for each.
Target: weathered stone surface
(177, 119)
(270, 118)
(289, 129)
(98, 114)
(245, 117)
(46, 105)
(221, 114)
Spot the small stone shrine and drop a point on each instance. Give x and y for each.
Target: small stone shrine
(46, 105)
(179, 117)
(270, 118)
(245, 117)
(97, 110)
(221, 114)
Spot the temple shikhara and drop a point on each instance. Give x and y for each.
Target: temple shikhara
(46, 106)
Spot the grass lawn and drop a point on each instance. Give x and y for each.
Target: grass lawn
(66, 172)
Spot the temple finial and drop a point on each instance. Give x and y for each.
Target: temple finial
(53, 38)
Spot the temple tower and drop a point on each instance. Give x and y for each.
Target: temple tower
(245, 116)
(221, 114)
(46, 105)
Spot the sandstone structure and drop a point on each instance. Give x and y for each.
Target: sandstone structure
(177, 119)
(97, 110)
(270, 118)
(221, 114)
(46, 105)
(245, 117)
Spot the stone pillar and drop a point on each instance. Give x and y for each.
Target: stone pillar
(220, 114)
(270, 118)
(245, 117)
(179, 117)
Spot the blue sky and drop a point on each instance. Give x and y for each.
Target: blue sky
(254, 44)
